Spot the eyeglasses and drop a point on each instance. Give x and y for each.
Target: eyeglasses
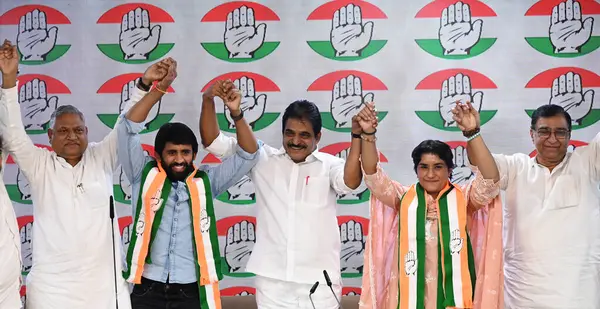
(559, 134)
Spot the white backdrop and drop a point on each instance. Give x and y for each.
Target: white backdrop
(413, 58)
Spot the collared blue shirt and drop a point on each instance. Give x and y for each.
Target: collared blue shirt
(172, 249)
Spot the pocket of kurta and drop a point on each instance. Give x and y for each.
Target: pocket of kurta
(564, 194)
(95, 196)
(315, 190)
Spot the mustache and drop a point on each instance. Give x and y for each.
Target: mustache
(296, 146)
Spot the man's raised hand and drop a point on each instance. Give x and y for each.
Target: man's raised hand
(9, 59)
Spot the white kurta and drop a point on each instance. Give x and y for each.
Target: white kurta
(552, 231)
(72, 256)
(10, 250)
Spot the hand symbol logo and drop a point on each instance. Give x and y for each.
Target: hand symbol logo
(567, 31)
(353, 247)
(243, 190)
(567, 92)
(23, 186)
(126, 103)
(348, 35)
(125, 185)
(457, 34)
(456, 242)
(36, 107)
(239, 245)
(137, 38)
(461, 172)
(243, 293)
(410, 263)
(457, 89)
(253, 106)
(242, 37)
(347, 99)
(35, 40)
(126, 237)
(26, 247)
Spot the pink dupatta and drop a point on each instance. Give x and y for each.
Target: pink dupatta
(380, 277)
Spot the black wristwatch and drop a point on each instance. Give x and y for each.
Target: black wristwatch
(354, 135)
(143, 86)
(468, 134)
(238, 117)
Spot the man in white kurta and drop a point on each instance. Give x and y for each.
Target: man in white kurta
(552, 219)
(10, 250)
(72, 257)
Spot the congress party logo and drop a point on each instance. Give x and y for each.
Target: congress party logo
(254, 90)
(568, 87)
(573, 144)
(238, 234)
(139, 33)
(347, 92)
(568, 32)
(241, 193)
(39, 98)
(25, 224)
(125, 228)
(351, 291)
(461, 26)
(455, 85)
(122, 192)
(124, 85)
(349, 29)
(21, 191)
(37, 32)
(243, 25)
(238, 291)
(353, 235)
(461, 173)
(360, 194)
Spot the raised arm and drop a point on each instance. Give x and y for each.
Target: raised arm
(592, 152)
(15, 139)
(468, 121)
(352, 171)
(381, 186)
(245, 137)
(130, 151)
(213, 140)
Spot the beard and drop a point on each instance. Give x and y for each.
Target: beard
(178, 176)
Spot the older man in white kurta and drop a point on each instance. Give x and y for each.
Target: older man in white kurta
(72, 257)
(552, 219)
(10, 250)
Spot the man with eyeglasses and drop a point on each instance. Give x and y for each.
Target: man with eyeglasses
(552, 218)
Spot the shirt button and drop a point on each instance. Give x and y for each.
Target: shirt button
(171, 251)
(175, 219)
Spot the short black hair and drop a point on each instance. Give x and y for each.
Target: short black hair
(549, 110)
(303, 110)
(176, 133)
(1, 141)
(435, 147)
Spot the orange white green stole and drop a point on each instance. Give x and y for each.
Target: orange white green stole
(456, 268)
(154, 192)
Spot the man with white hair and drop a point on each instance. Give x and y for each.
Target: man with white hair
(71, 189)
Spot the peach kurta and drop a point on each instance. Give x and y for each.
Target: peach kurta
(380, 279)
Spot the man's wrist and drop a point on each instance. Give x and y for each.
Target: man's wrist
(369, 132)
(236, 115)
(471, 133)
(9, 80)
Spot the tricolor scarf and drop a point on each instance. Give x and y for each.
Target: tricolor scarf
(456, 270)
(154, 192)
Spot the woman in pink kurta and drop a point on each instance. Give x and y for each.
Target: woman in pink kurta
(385, 267)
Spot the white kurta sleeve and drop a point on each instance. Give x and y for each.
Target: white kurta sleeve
(223, 146)
(505, 168)
(14, 138)
(592, 153)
